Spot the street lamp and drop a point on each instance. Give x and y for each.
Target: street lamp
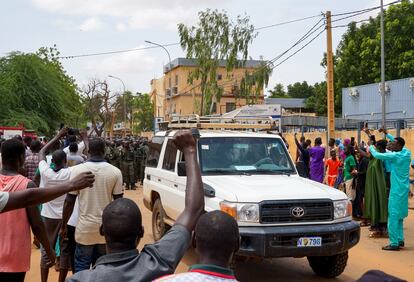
(123, 98)
(159, 45)
(169, 60)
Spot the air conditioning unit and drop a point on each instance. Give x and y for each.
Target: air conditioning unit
(412, 83)
(354, 93)
(387, 88)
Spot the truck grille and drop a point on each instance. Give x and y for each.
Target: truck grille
(282, 211)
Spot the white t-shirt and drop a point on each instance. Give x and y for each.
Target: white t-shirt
(4, 198)
(48, 178)
(92, 201)
(81, 147)
(73, 220)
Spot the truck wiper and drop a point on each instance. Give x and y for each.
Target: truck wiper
(225, 171)
(281, 172)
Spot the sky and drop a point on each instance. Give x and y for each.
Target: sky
(80, 27)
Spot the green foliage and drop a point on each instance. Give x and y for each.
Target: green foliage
(253, 83)
(278, 91)
(37, 92)
(217, 38)
(300, 90)
(143, 113)
(358, 56)
(317, 102)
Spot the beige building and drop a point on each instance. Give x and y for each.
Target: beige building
(172, 94)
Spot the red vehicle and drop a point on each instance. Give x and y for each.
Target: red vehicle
(8, 132)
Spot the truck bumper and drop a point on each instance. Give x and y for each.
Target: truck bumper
(281, 241)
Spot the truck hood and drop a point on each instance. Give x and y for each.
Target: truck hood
(257, 188)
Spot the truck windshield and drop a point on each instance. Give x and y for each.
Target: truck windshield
(243, 155)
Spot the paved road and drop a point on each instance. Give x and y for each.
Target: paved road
(365, 256)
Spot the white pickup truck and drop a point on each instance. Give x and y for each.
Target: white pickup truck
(252, 177)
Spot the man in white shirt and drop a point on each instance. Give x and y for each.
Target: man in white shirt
(81, 146)
(52, 211)
(90, 244)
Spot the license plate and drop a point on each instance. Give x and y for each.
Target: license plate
(309, 242)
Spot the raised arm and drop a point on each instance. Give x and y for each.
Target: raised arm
(382, 156)
(387, 134)
(300, 148)
(51, 143)
(194, 193)
(32, 197)
(84, 135)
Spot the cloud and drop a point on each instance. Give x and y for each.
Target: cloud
(92, 24)
(132, 14)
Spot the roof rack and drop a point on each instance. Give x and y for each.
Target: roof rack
(221, 123)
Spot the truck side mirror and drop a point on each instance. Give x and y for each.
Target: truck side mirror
(300, 167)
(181, 171)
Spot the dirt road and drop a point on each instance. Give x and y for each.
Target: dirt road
(365, 256)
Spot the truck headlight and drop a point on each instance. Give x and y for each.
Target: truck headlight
(342, 208)
(241, 212)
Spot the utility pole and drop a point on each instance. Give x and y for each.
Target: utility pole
(330, 77)
(382, 68)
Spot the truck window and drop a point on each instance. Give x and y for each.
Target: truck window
(169, 156)
(154, 151)
(227, 155)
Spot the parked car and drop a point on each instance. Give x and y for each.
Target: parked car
(252, 177)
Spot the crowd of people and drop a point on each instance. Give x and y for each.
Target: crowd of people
(373, 174)
(87, 226)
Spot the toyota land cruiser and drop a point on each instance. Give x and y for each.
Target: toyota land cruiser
(251, 176)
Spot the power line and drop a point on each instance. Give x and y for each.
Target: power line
(115, 52)
(365, 10)
(288, 22)
(347, 25)
(300, 49)
(311, 31)
(174, 44)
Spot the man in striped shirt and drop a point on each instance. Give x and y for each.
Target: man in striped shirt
(216, 239)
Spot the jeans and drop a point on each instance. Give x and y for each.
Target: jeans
(87, 255)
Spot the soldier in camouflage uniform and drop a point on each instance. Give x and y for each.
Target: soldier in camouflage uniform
(137, 160)
(127, 165)
(112, 154)
(144, 149)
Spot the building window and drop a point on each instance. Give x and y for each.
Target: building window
(230, 107)
(169, 82)
(176, 79)
(170, 156)
(214, 108)
(219, 77)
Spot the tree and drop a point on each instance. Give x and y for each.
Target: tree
(357, 58)
(278, 91)
(300, 90)
(129, 107)
(36, 92)
(317, 102)
(98, 105)
(144, 113)
(217, 38)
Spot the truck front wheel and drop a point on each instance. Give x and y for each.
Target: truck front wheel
(329, 266)
(159, 227)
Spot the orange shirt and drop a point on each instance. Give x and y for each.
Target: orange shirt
(333, 166)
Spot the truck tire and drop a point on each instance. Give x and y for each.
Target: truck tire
(329, 266)
(159, 227)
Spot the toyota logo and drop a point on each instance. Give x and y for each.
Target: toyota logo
(298, 212)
